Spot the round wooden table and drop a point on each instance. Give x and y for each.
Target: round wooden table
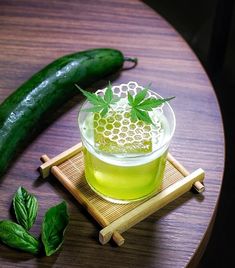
(32, 34)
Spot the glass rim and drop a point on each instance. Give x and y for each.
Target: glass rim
(126, 155)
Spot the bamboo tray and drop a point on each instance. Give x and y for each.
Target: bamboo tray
(68, 168)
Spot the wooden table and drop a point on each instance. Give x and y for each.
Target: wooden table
(32, 34)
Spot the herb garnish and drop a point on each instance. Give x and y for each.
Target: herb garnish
(25, 207)
(100, 104)
(140, 106)
(54, 225)
(15, 236)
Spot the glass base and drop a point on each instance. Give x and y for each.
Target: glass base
(120, 201)
(124, 184)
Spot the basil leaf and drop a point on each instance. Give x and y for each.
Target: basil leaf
(54, 225)
(15, 236)
(25, 207)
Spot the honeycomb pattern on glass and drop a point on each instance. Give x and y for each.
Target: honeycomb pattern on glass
(117, 128)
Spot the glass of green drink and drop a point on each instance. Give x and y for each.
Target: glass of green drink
(126, 132)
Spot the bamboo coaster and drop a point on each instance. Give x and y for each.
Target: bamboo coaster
(68, 168)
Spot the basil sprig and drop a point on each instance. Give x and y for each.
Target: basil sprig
(54, 225)
(25, 207)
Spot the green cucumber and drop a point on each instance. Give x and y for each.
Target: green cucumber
(49, 89)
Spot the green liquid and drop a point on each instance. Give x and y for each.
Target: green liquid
(124, 183)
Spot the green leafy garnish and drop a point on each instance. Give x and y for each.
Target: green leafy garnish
(140, 105)
(100, 104)
(15, 236)
(25, 207)
(54, 225)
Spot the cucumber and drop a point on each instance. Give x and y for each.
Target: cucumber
(47, 90)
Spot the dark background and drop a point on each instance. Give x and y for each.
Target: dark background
(209, 28)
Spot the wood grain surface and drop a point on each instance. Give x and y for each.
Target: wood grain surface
(33, 33)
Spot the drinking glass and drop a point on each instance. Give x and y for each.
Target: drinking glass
(132, 168)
